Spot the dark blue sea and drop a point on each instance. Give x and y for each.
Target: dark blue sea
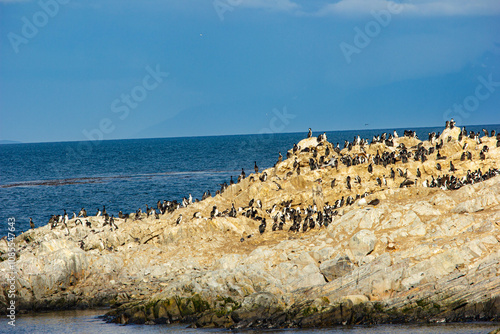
(41, 179)
(38, 180)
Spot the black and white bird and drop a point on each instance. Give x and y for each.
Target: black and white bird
(65, 219)
(179, 220)
(32, 225)
(262, 226)
(214, 212)
(112, 222)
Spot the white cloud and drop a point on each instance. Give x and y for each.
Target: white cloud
(281, 5)
(413, 7)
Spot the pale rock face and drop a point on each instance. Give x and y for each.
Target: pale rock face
(227, 262)
(412, 281)
(362, 218)
(445, 201)
(362, 243)
(308, 142)
(392, 220)
(476, 204)
(425, 209)
(337, 267)
(308, 280)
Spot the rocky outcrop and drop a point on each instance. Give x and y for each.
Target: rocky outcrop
(415, 254)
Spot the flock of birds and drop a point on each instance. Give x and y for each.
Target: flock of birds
(304, 219)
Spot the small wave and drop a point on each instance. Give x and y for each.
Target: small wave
(102, 179)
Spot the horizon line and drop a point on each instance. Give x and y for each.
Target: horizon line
(12, 142)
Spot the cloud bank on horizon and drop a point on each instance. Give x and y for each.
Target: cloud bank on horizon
(72, 66)
(365, 7)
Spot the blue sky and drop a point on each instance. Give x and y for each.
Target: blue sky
(73, 70)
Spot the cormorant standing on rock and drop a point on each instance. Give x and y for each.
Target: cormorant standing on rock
(112, 222)
(420, 174)
(214, 212)
(243, 175)
(275, 224)
(309, 135)
(280, 157)
(255, 167)
(179, 220)
(305, 225)
(370, 168)
(262, 226)
(232, 213)
(65, 219)
(32, 225)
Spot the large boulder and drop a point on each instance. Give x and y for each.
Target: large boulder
(337, 267)
(362, 243)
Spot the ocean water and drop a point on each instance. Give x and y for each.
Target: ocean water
(38, 180)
